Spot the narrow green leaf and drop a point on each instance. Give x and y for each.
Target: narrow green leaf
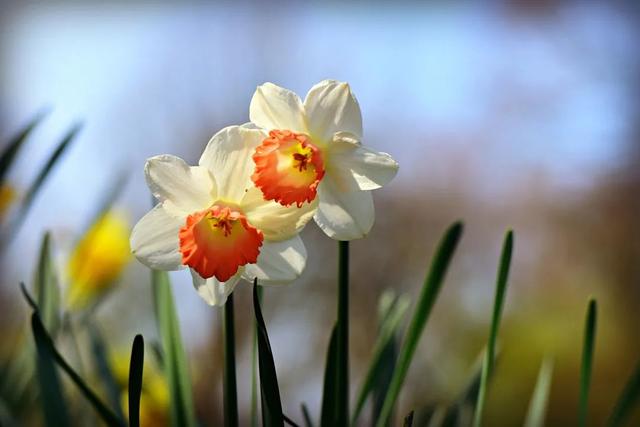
(136, 367)
(106, 202)
(52, 397)
(254, 370)
(342, 340)
(424, 305)
(627, 399)
(46, 288)
(328, 413)
(103, 369)
(48, 167)
(270, 392)
(9, 154)
(393, 311)
(230, 394)
(408, 420)
(501, 287)
(43, 340)
(175, 361)
(587, 361)
(461, 411)
(289, 421)
(538, 406)
(305, 414)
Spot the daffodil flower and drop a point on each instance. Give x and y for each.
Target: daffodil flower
(212, 219)
(98, 259)
(313, 155)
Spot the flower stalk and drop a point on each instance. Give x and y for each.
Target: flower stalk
(230, 393)
(342, 382)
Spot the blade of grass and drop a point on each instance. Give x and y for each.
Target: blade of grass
(328, 413)
(538, 405)
(392, 314)
(270, 392)
(48, 167)
(627, 399)
(13, 147)
(175, 361)
(254, 370)
(230, 392)
(52, 398)
(501, 287)
(103, 369)
(46, 288)
(289, 421)
(461, 411)
(587, 361)
(424, 305)
(342, 343)
(136, 367)
(305, 414)
(44, 341)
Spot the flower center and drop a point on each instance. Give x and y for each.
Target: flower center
(215, 242)
(288, 168)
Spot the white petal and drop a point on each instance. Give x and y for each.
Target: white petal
(277, 222)
(212, 290)
(274, 107)
(331, 107)
(278, 263)
(356, 167)
(154, 239)
(344, 215)
(228, 157)
(188, 188)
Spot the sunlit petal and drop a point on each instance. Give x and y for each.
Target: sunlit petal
(331, 107)
(344, 215)
(154, 239)
(278, 263)
(211, 290)
(273, 107)
(228, 158)
(188, 188)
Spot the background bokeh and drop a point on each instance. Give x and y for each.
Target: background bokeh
(504, 114)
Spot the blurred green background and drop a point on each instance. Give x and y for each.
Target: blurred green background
(504, 114)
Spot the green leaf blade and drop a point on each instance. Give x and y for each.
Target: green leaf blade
(13, 147)
(136, 367)
(426, 300)
(392, 314)
(539, 400)
(501, 287)
(628, 398)
(175, 361)
(270, 391)
(53, 400)
(328, 413)
(587, 361)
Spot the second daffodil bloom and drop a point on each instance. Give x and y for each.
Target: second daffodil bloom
(314, 151)
(213, 220)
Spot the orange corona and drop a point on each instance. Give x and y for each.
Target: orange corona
(288, 168)
(215, 242)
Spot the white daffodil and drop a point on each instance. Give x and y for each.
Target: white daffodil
(213, 220)
(313, 151)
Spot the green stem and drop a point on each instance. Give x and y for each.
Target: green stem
(342, 383)
(230, 393)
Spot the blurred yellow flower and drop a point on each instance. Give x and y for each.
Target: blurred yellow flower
(98, 259)
(7, 196)
(154, 399)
